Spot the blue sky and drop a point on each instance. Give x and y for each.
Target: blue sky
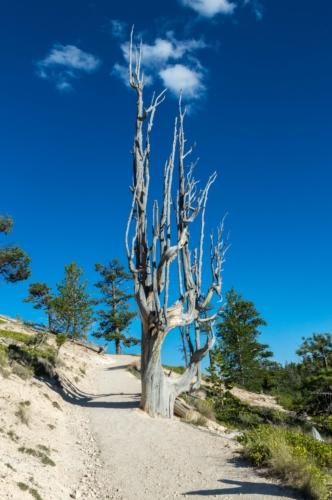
(257, 79)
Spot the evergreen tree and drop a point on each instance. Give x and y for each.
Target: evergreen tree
(40, 295)
(116, 317)
(73, 306)
(243, 357)
(316, 368)
(14, 262)
(216, 372)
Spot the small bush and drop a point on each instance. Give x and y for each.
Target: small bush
(56, 405)
(38, 454)
(37, 340)
(51, 426)
(23, 486)
(134, 369)
(43, 448)
(300, 461)
(13, 436)
(24, 372)
(60, 339)
(35, 494)
(176, 369)
(10, 467)
(23, 414)
(204, 409)
(193, 419)
(19, 337)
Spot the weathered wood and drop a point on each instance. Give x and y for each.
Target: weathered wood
(181, 408)
(149, 261)
(90, 345)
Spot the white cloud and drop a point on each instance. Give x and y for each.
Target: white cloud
(257, 8)
(210, 8)
(162, 50)
(172, 61)
(180, 77)
(65, 63)
(118, 28)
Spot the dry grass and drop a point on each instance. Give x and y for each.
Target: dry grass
(204, 409)
(135, 368)
(23, 413)
(24, 372)
(195, 419)
(297, 472)
(293, 465)
(4, 365)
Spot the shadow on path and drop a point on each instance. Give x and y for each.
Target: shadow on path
(244, 488)
(71, 394)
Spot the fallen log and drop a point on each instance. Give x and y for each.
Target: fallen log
(181, 408)
(90, 345)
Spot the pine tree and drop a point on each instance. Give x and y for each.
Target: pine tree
(41, 295)
(316, 368)
(116, 317)
(73, 306)
(216, 372)
(14, 262)
(243, 356)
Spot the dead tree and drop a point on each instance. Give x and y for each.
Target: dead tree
(149, 262)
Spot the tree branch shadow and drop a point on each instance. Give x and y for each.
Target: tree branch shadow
(75, 396)
(247, 488)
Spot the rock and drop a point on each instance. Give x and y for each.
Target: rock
(76, 494)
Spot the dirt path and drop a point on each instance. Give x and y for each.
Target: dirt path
(154, 459)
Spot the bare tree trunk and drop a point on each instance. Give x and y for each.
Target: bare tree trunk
(50, 321)
(152, 275)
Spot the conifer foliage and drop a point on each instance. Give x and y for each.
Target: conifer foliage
(73, 305)
(41, 296)
(14, 262)
(243, 356)
(316, 369)
(116, 317)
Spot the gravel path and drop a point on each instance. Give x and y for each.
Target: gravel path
(156, 459)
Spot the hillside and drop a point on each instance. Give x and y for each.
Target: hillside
(85, 437)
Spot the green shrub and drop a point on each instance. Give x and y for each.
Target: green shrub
(56, 405)
(23, 486)
(35, 494)
(24, 372)
(176, 369)
(37, 340)
(13, 436)
(38, 454)
(60, 339)
(297, 459)
(19, 337)
(41, 360)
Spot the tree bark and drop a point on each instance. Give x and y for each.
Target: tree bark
(118, 346)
